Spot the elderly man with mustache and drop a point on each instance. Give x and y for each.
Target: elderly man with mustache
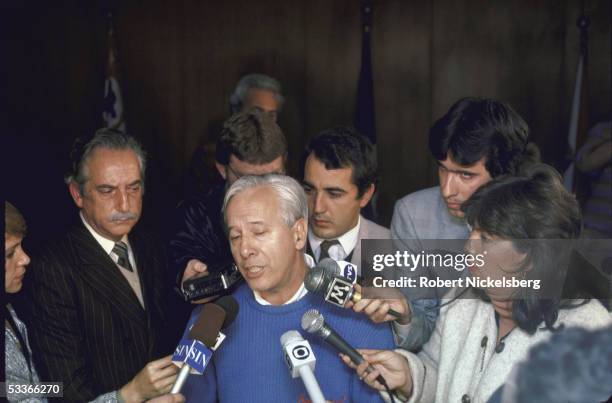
(98, 299)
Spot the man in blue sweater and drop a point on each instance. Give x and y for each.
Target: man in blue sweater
(266, 219)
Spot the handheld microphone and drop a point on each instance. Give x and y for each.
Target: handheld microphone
(195, 351)
(323, 280)
(301, 362)
(339, 268)
(313, 322)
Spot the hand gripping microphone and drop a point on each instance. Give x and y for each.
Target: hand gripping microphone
(301, 362)
(313, 322)
(323, 280)
(195, 351)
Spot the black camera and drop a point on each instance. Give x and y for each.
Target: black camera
(216, 283)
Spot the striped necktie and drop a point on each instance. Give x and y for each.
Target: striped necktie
(325, 245)
(121, 251)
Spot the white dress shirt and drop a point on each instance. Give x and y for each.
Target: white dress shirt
(340, 251)
(108, 245)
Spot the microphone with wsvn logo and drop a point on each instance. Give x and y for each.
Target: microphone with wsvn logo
(195, 351)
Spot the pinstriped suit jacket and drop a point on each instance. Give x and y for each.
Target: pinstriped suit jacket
(87, 327)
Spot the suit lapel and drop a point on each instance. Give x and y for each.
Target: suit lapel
(154, 294)
(147, 263)
(356, 257)
(101, 273)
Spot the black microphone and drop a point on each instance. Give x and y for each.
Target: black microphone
(339, 268)
(313, 322)
(195, 351)
(323, 280)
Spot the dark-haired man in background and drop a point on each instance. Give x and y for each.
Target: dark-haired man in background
(252, 91)
(340, 175)
(251, 143)
(476, 140)
(98, 296)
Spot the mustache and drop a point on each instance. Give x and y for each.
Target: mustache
(122, 216)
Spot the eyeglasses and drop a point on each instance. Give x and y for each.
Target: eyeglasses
(236, 174)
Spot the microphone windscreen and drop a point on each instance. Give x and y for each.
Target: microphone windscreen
(230, 306)
(330, 266)
(314, 280)
(312, 321)
(207, 326)
(290, 336)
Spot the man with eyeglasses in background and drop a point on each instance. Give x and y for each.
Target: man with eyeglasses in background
(251, 143)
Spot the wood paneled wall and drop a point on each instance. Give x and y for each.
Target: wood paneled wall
(180, 60)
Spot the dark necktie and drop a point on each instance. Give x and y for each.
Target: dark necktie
(325, 245)
(121, 251)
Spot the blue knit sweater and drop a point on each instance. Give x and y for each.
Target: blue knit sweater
(249, 366)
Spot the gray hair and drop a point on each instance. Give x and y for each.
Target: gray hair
(290, 195)
(587, 363)
(103, 138)
(256, 81)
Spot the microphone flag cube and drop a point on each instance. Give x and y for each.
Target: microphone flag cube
(348, 270)
(339, 291)
(198, 357)
(297, 354)
(180, 353)
(194, 354)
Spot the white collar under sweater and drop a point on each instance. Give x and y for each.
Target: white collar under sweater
(453, 362)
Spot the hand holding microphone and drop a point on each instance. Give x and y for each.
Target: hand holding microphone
(154, 379)
(313, 322)
(383, 310)
(195, 351)
(388, 364)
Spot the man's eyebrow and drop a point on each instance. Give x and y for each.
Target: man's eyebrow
(136, 182)
(105, 186)
(459, 171)
(463, 171)
(306, 183)
(334, 189)
(254, 222)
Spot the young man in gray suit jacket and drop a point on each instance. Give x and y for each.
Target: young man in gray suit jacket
(476, 140)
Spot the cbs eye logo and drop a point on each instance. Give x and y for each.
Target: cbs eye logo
(300, 352)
